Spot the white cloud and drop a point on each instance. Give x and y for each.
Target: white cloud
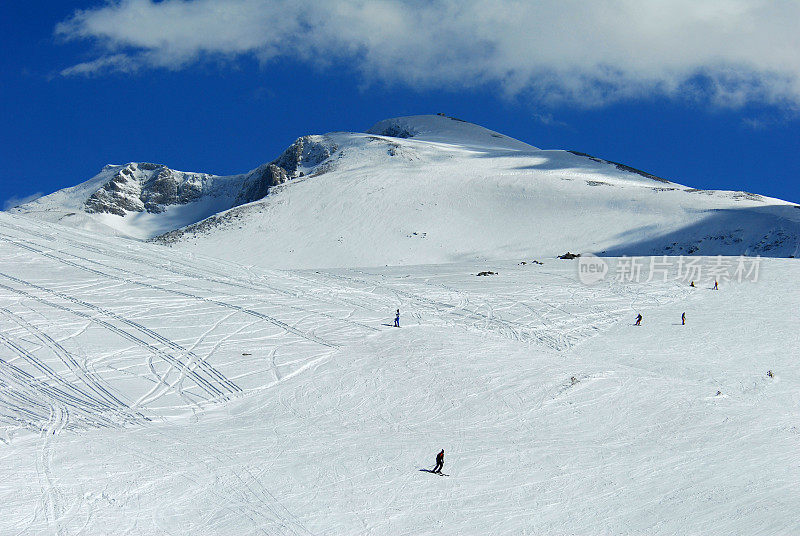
(729, 52)
(116, 62)
(16, 201)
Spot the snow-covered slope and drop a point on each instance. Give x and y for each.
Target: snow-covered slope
(145, 390)
(429, 189)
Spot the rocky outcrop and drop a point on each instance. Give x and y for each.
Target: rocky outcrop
(258, 182)
(304, 154)
(117, 196)
(394, 130)
(145, 187)
(166, 187)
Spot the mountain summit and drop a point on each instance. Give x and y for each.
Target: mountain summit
(422, 189)
(448, 130)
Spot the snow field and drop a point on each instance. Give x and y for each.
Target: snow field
(323, 428)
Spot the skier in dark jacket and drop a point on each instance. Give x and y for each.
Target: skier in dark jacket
(397, 319)
(439, 462)
(683, 319)
(716, 285)
(638, 320)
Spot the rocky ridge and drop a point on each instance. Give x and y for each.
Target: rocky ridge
(152, 188)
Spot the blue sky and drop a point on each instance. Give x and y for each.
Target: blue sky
(705, 97)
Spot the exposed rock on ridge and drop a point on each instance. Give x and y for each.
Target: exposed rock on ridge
(140, 187)
(145, 187)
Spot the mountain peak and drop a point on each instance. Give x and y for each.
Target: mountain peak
(441, 128)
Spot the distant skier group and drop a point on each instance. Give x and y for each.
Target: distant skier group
(638, 321)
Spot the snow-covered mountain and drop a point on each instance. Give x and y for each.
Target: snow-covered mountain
(423, 189)
(142, 200)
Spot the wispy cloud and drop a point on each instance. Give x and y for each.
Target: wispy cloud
(16, 201)
(724, 52)
(548, 120)
(115, 62)
(767, 120)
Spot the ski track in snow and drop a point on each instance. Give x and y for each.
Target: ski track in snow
(156, 393)
(212, 381)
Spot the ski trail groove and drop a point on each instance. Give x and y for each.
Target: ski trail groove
(213, 383)
(107, 400)
(51, 495)
(228, 281)
(283, 325)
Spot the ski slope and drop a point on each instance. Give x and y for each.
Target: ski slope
(146, 390)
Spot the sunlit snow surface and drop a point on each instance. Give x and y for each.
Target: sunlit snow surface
(147, 391)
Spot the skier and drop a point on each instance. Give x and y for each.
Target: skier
(439, 462)
(716, 287)
(397, 319)
(691, 284)
(638, 320)
(683, 319)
